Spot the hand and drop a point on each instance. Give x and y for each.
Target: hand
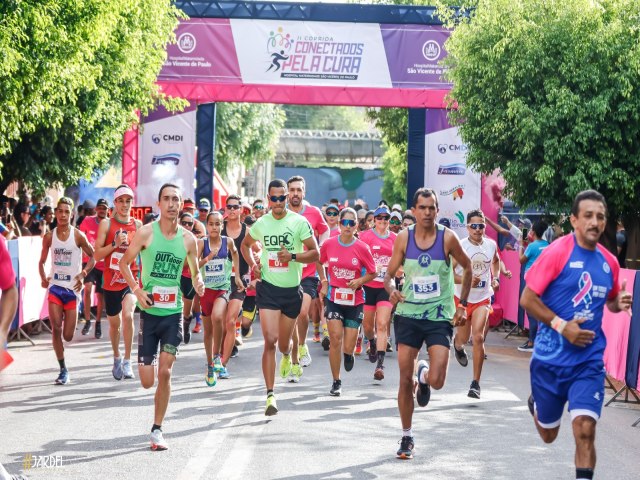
(45, 282)
(355, 284)
(324, 289)
(78, 282)
(144, 299)
(508, 274)
(505, 220)
(121, 238)
(283, 255)
(199, 286)
(212, 254)
(239, 284)
(396, 296)
(576, 335)
(495, 284)
(475, 280)
(508, 246)
(256, 271)
(460, 317)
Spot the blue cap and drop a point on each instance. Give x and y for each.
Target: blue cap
(382, 210)
(204, 203)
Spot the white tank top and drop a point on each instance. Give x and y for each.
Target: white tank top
(66, 259)
(481, 257)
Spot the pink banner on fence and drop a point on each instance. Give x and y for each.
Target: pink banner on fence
(509, 293)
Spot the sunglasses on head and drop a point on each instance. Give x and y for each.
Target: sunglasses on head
(394, 222)
(233, 207)
(384, 218)
(279, 199)
(477, 226)
(348, 223)
(332, 213)
(187, 224)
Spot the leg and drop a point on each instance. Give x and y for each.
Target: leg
(479, 319)
(207, 324)
(406, 362)
(383, 324)
(463, 334)
(438, 366)
(368, 323)
(349, 340)
(336, 333)
(269, 320)
(69, 323)
(214, 325)
(55, 316)
(584, 432)
(128, 307)
(147, 374)
(163, 392)
(302, 325)
(99, 307)
(229, 328)
(115, 322)
(86, 301)
(287, 327)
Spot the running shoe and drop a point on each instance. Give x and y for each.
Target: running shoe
(349, 360)
(423, 390)
(474, 390)
(197, 328)
(389, 347)
(373, 351)
(217, 364)
(234, 352)
(63, 377)
(117, 369)
(336, 388)
(224, 373)
(246, 331)
(127, 371)
(98, 330)
(525, 347)
(461, 355)
(86, 328)
(272, 406)
(238, 334)
(186, 331)
(210, 378)
(285, 366)
(316, 337)
(359, 346)
(305, 356)
(157, 441)
(405, 452)
(296, 373)
(379, 373)
(326, 343)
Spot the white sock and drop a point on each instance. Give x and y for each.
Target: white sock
(407, 432)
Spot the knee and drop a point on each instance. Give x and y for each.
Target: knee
(164, 375)
(146, 382)
(478, 339)
(68, 336)
(548, 436)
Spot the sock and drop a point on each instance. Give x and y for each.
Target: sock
(156, 427)
(269, 393)
(62, 364)
(584, 473)
(197, 317)
(380, 358)
(406, 432)
(187, 320)
(325, 329)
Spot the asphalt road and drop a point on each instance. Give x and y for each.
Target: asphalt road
(98, 428)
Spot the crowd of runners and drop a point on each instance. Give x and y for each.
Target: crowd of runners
(349, 275)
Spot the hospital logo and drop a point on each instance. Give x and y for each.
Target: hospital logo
(186, 43)
(431, 50)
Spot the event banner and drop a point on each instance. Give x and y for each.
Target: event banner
(446, 171)
(331, 54)
(167, 154)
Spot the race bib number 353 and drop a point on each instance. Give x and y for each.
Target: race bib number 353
(426, 287)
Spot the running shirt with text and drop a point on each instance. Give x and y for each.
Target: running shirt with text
(289, 231)
(319, 226)
(345, 263)
(381, 248)
(216, 273)
(481, 257)
(66, 259)
(161, 266)
(428, 285)
(113, 279)
(89, 227)
(573, 282)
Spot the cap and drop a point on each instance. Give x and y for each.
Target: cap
(47, 200)
(246, 207)
(362, 213)
(204, 204)
(88, 204)
(102, 203)
(189, 204)
(446, 222)
(332, 206)
(397, 215)
(123, 190)
(525, 222)
(381, 210)
(397, 206)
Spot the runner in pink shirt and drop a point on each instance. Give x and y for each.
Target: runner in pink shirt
(8, 301)
(346, 258)
(331, 214)
(377, 307)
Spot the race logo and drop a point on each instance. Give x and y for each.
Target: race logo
(424, 260)
(452, 169)
(584, 294)
(456, 192)
(431, 50)
(186, 42)
(354, 261)
(313, 56)
(167, 158)
(166, 265)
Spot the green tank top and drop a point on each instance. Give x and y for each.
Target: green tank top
(162, 263)
(428, 286)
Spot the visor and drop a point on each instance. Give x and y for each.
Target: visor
(123, 190)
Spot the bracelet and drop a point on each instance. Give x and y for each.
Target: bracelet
(135, 289)
(558, 324)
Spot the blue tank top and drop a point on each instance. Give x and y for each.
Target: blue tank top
(216, 273)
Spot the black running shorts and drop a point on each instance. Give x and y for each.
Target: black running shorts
(286, 299)
(350, 316)
(310, 286)
(113, 300)
(155, 330)
(414, 333)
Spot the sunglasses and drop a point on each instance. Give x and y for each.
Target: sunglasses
(203, 209)
(332, 214)
(394, 222)
(259, 207)
(233, 207)
(348, 223)
(279, 199)
(477, 226)
(384, 218)
(187, 224)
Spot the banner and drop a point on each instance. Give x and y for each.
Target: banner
(446, 170)
(167, 154)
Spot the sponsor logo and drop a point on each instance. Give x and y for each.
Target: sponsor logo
(455, 148)
(597, 396)
(431, 50)
(456, 192)
(187, 42)
(166, 265)
(354, 261)
(285, 239)
(452, 169)
(376, 247)
(460, 217)
(333, 259)
(155, 138)
(424, 260)
(166, 138)
(606, 267)
(576, 264)
(166, 158)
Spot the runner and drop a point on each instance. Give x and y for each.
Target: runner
(331, 214)
(8, 302)
(186, 287)
(65, 279)
(279, 295)
(198, 227)
(485, 267)
(258, 209)
(217, 257)
(425, 311)
(347, 258)
(312, 273)
(89, 227)
(395, 222)
(567, 289)
(377, 307)
(163, 246)
(114, 237)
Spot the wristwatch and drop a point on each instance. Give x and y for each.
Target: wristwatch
(293, 257)
(463, 303)
(113, 244)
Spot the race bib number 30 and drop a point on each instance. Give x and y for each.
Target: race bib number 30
(275, 265)
(344, 296)
(165, 297)
(426, 287)
(115, 261)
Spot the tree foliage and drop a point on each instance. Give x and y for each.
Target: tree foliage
(352, 119)
(72, 75)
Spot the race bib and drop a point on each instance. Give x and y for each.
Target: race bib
(165, 297)
(381, 274)
(344, 296)
(214, 271)
(275, 265)
(481, 284)
(426, 287)
(115, 261)
(62, 277)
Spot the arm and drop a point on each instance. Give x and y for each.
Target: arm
(397, 258)
(191, 245)
(235, 259)
(46, 245)
(495, 272)
(140, 240)
(497, 228)
(203, 260)
(102, 250)
(245, 250)
(454, 248)
(523, 254)
(83, 243)
(310, 255)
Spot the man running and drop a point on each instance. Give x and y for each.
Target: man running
(114, 237)
(89, 227)
(65, 279)
(163, 246)
(425, 311)
(485, 267)
(310, 280)
(279, 296)
(566, 291)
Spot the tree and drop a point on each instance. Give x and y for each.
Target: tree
(72, 75)
(311, 117)
(549, 93)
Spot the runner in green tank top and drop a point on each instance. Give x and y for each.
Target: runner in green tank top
(425, 310)
(163, 246)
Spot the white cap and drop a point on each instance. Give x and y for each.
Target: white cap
(123, 190)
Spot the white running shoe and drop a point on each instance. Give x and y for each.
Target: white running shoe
(157, 441)
(127, 370)
(305, 356)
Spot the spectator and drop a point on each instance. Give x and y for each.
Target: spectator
(258, 209)
(397, 208)
(22, 218)
(621, 241)
(43, 225)
(88, 210)
(408, 220)
(335, 202)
